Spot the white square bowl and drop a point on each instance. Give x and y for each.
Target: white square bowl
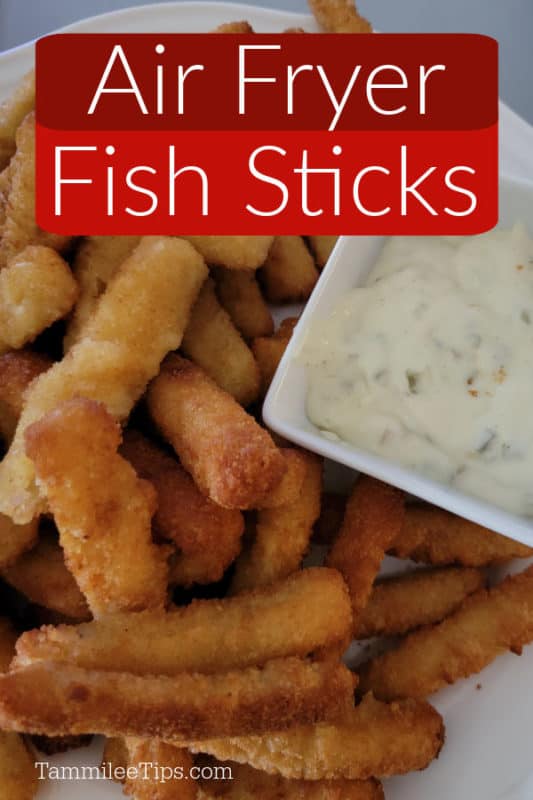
(284, 410)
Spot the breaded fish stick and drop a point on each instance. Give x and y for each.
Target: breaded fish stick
(43, 699)
(36, 289)
(371, 739)
(140, 318)
(234, 27)
(249, 784)
(43, 577)
(231, 458)
(102, 509)
(339, 16)
(268, 351)
(423, 597)
(485, 626)
(160, 771)
(434, 536)
(282, 535)
(239, 293)
(290, 487)
(97, 261)
(12, 111)
(208, 537)
(20, 228)
(233, 252)
(372, 521)
(213, 342)
(289, 273)
(16, 539)
(311, 609)
(322, 247)
(17, 371)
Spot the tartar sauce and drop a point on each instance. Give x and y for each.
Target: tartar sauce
(430, 364)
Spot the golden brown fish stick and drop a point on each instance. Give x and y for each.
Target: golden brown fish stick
(208, 536)
(17, 371)
(239, 293)
(102, 509)
(434, 536)
(234, 27)
(268, 351)
(231, 458)
(233, 252)
(213, 342)
(140, 318)
(43, 699)
(289, 488)
(158, 771)
(12, 111)
(372, 521)
(282, 534)
(289, 273)
(339, 16)
(423, 597)
(371, 739)
(485, 626)
(311, 609)
(322, 247)
(36, 289)
(97, 260)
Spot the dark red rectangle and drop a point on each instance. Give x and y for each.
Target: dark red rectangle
(101, 207)
(463, 96)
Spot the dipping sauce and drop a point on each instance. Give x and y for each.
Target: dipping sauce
(430, 364)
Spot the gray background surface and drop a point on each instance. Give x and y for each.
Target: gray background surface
(509, 21)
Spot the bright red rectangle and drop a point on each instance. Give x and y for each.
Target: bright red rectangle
(463, 96)
(225, 159)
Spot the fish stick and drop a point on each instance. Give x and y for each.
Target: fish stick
(233, 252)
(12, 111)
(140, 318)
(20, 228)
(322, 247)
(158, 771)
(339, 16)
(42, 576)
(102, 510)
(213, 342)
(248, 783)
(294, 617)
(282, 535)
(97, 261)
(423, 597)
(434, 536)
(42, 699)
(17, 371)
(208, 537)
(234, 27)
(289, 488)
(36, 289)
(268, 351)
(239, 293)
(372, 739)
(230, 457)
(372, 521)
(16, 539)
(487, 624)
(289, 274)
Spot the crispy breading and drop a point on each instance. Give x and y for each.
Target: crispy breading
(268, 351)
(42, 576)
(487, 624)
(97, 260)
(339, 16)
(289, 273)
(294, 617)
(372, 521)
(12, 111)
(434, 536)
(20, 228)
(16, 539)
(231, 458)
(290, 487)
(172, 781)
(213, 342)
(42, 699)
(233, 252)
(423, 597)
(36, 289)
(371, 739)
(102, 509)
(248, 783)
(140, 318)
(322, 247)
(208, 537)
(17, 371)
(282, 534)
(234, 27)
(239, 293)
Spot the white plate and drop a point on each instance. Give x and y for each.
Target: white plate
(487, 753)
